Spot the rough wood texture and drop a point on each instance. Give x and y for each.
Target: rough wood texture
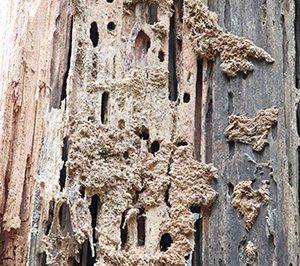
(114, 116)
(270, 24)
(25, 90)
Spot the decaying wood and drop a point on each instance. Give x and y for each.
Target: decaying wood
(112, 133)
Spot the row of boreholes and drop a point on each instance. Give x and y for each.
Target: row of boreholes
(143, 43)
(166, 239)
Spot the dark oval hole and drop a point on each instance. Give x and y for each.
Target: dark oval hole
(109, 1)
(230, 188)
(165, 242)
(111, 26)
(94, 207)
(195, 208)
(186, 97)
(181, 143)
(94, 34)
(161, 56)
(144, 134)
(154, 147)
(126, 155)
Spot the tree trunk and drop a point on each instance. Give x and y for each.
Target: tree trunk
(149, 132)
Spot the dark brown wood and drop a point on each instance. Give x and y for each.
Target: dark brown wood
(269, 24)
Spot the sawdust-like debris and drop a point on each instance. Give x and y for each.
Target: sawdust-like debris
(249, 201)
(96, 161)
(209, 40)
(251, 253)
(252, 131)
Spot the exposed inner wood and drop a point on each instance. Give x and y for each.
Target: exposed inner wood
(112, 140)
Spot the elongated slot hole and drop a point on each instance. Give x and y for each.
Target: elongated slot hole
(230, 103)
(141, 223)
(104, 107)
(167, 196)
(66, 75)
(198, 110)
(86, 258)
(63, 171)
(231, 147)
(197, 253)
(50, 219)
(230, 188)
(94, 34)
(124, 231)
(43, 259)
(209, 117)
(94, 209)
(173, 83)
(152, 14)
(180, 10)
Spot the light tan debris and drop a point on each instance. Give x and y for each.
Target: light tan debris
(251, 253)
(249, 201)
(252, 131)
(209, 40)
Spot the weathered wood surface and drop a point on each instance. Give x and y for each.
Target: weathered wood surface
(269, 24)
(71, 62)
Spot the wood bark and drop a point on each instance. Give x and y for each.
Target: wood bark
(112, 119)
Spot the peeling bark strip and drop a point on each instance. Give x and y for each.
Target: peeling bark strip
(252, 131)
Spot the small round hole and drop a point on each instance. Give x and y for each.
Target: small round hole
(111, 26)
(186, 97)
(109, 1)
(154, 147)
(161, 56)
